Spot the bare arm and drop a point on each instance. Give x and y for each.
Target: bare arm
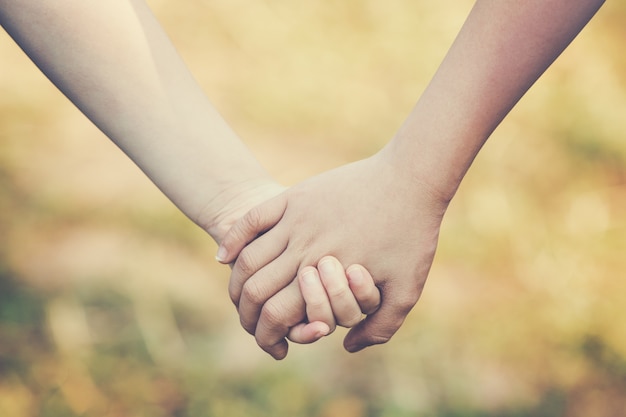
(385, 212)
(115, 63)
(502, 49)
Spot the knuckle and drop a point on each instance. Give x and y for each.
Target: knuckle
(252, 219)
(272, 314)
(246, 262)
(405, 307)
(316, 303)
(274, 348)
(234, 293)
(338, 291)
(248, 326)
(405, 304)
(253, 293)
(351, 321)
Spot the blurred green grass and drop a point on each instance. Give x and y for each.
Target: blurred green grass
(111, 304)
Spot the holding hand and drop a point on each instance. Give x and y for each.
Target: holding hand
(366, 213)
(383, 212)
(333, 297)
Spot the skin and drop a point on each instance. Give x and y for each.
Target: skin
(115, 63)
(385, 212)
(113, 60)
(334, 297)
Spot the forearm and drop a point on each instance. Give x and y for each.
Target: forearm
(502, 49)
(114, 62)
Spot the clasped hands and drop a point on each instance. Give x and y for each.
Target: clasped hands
(288, 256)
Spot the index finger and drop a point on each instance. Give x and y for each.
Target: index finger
(379, 327)
(281, 312)
(256, 221)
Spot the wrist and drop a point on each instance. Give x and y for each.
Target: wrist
(234, 200)
(423, 168)
(438, 142)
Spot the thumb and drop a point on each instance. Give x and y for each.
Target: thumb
(379, 327)
(255, 222)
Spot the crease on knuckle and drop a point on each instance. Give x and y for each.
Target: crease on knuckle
(403, 303)
(352, 321)
(246, 263)
(404, 306)
(252, 220)
(273, 314)
(270, 346)
(338, 291)
(248, 327)
(253, 293)
(316, 303)
(234, 294)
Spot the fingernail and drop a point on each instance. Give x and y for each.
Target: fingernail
(327, 267)
(355, 275)
(308, 277)
(222, 254)
(321, 333)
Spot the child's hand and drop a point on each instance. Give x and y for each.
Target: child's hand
(370, 213)
(333, 297)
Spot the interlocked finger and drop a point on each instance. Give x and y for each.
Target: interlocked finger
(262, 286)
(363, 288)
(318, 306)
(345, 308)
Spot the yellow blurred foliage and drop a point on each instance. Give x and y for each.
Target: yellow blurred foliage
(111, 303)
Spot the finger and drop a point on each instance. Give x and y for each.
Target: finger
(279, 314)
(262, 286)
(379, 327)
(256, 221)
(318, 306)
(344, 306)
(258, 254)
(363, 288)
(305, 333)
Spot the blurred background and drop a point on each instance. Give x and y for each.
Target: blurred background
(111, 303)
